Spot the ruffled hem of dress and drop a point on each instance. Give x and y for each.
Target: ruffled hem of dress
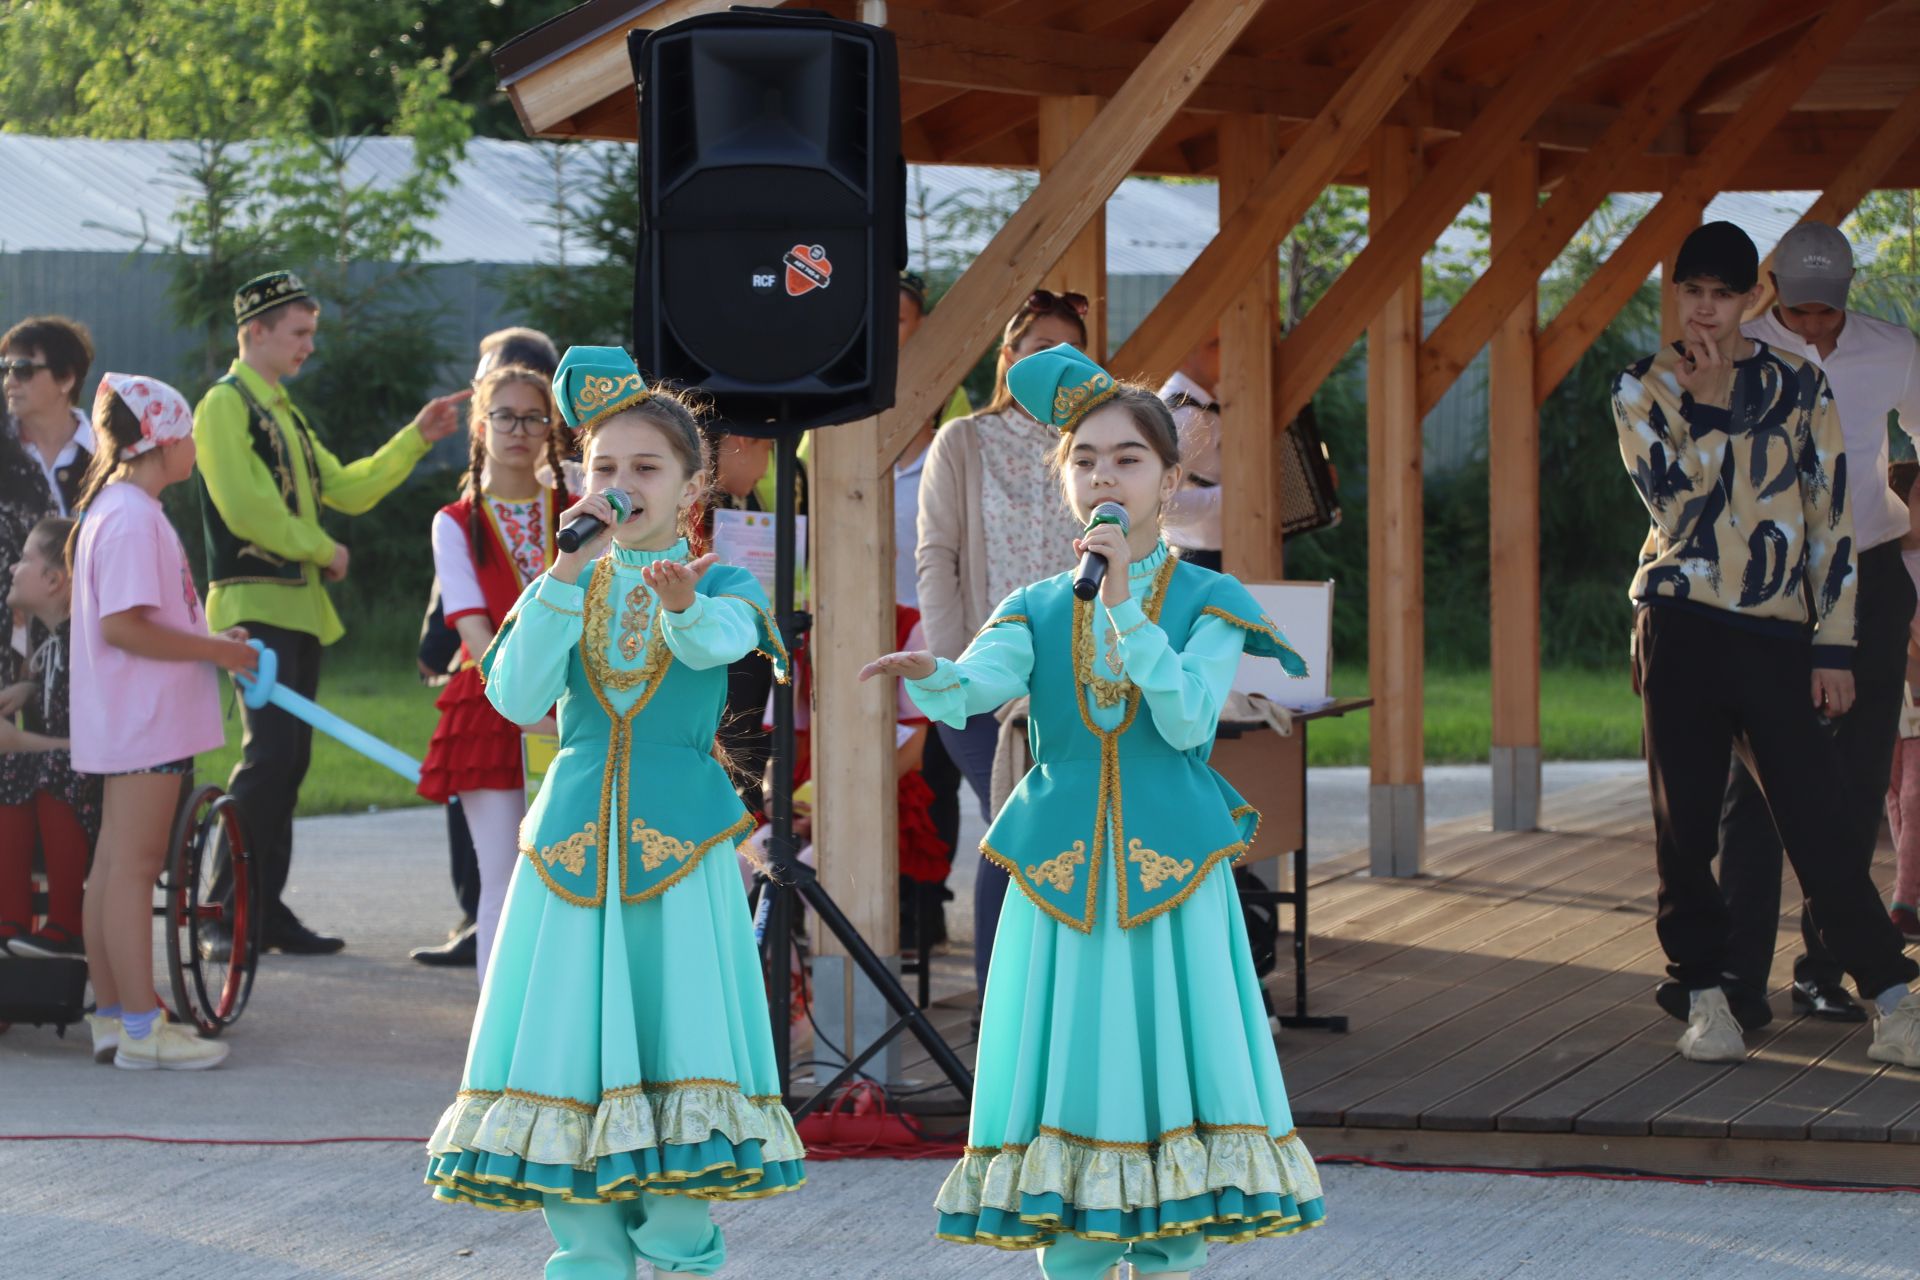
(510, 1150)
(473, 748)
(1229, 1184)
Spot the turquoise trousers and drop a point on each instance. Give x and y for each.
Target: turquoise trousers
(606, 1241)
(1072, 1258)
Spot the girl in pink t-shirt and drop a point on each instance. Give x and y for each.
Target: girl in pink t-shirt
(145, 700)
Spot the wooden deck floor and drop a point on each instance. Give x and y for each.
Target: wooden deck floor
(1501, 1014)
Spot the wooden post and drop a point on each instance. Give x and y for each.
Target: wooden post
(1250, 535)
(1513, 520)
(1083, 268)
(1395, 543)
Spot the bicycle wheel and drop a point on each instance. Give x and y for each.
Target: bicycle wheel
(207, 834)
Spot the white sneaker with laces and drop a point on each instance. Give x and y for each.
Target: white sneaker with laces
(106, 1037)
(1896, 1035)
(1712, 1034)
(169, 1047)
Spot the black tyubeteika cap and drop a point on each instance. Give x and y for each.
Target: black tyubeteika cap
(1722, 251)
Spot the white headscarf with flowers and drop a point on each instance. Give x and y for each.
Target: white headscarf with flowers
(163, 412)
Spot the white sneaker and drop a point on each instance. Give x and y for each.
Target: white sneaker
(1896, 1035)
(169, 1047)
(1712, 1034)
(106, 1037)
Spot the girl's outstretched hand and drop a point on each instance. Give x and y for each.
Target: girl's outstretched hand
(673, 582)
(917, 665)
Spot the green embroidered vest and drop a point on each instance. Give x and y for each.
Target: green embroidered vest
(229, 559)
(1163, 814)
(642, 783)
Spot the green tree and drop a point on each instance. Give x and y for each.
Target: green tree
(1886, 229)
(584, 292)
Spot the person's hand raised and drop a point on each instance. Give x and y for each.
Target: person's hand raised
(1704, 372)
(673, 582)
(916, 665)
(441, 416)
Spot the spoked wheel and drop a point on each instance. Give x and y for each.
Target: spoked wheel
(207, 841)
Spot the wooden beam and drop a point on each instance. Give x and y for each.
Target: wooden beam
(1197, 299)
(1513, 519)
(1766, 170)
(1572, 331)
(1513, 274)
(1859, 176)
(1040, 230)
(1083, 267)
(1772, 35)
(1251, 538)
(1396, 580)
(1318, 342)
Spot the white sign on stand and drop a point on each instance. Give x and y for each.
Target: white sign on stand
(1304, 613)
(744, 539)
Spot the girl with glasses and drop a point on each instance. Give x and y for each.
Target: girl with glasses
(498, 537)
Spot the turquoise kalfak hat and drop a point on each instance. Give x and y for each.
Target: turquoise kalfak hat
(594, 383)
(1060, 385)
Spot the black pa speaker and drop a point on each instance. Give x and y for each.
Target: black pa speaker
(772, 215)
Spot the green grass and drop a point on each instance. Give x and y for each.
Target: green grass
(1585, 715)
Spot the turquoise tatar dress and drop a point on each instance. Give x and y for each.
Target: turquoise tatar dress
(622, 1043)
(1127, 1086)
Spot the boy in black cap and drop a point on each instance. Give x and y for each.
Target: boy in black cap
(1744, 635)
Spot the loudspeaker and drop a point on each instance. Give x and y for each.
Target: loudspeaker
(772, 215)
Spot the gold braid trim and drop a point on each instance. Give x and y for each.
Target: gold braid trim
(1263, 627)
(599, 639)
(1252, 835)
(779, 656)
(570, 613)
(692, 860)
(1207, 864)
(1002, 620)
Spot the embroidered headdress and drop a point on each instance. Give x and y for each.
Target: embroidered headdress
(263, 293)
(163, 412)
(594, 383)
(1060, 385)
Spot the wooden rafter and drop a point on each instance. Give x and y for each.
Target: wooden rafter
(1771, 36)
(1859, 176)
(1316, 345)
(1513, 274)
(1040, 230)
(1573, 330)
(1245, 243)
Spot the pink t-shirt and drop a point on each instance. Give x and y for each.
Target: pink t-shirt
(132, 713)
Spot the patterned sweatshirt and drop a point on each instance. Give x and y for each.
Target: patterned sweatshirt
(1748, 498)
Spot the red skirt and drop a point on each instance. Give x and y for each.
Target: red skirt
(474, 747)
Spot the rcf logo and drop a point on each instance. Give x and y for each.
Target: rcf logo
(807, 269)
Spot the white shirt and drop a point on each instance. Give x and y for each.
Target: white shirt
(906, 527)
(82, 441)
(1874, 370)
(1191, 520)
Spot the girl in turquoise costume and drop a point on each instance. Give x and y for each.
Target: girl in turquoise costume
(1128, 1103)
(621, 1072)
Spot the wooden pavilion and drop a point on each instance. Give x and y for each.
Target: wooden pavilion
(1547, 105)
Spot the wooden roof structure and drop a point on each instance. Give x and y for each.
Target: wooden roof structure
(1548, 105)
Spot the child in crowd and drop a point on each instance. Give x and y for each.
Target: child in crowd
(1903, 801)
(621, 1073)
(1122, 965)
(487, 548)
(145, 700)
(43, 802)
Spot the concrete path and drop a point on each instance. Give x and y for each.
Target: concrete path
(368, 1045)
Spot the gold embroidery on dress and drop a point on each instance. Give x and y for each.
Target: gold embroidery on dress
(635, 614)
(657, 846)
(1111, 693)
(571, 853)
(1058, 870)
(1157, 868)
(655, 656)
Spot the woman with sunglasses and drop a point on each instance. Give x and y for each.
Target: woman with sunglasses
(487, 547)
(992, 519)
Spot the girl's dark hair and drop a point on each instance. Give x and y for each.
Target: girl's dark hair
(1151, 417)
(50, 534)
(1016, 329)
(66, 346)
(114, 428)
(680, 417)
(470, 488)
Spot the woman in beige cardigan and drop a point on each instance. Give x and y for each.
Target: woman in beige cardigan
(992, 519)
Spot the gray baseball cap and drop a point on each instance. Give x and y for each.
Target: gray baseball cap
(1814, 263)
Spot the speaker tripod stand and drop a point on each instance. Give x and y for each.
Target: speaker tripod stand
(790, 879)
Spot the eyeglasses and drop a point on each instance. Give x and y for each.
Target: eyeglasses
(526, 424)
(1042, 301)
(21, 369)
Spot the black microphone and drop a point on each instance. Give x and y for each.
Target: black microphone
(1093, 565)
(583, 529)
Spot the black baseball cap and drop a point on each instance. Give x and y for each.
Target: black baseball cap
(1721, 251)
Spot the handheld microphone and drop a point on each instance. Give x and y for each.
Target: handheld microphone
(583, 529)
(1093, 566)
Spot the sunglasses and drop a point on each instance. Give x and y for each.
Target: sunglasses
(526, 424)
(1043, 301)
(21, 369)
